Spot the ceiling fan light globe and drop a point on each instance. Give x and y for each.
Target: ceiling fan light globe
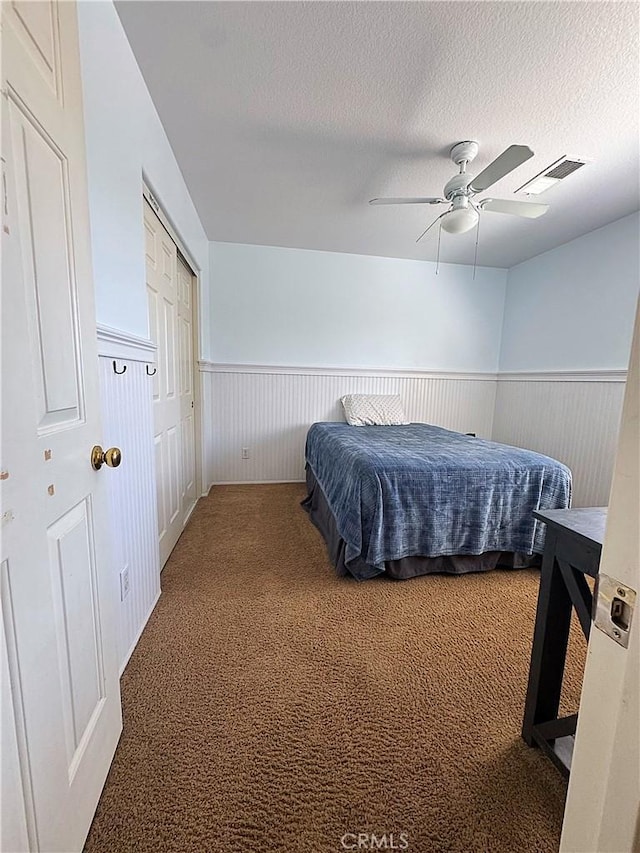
(460, 220)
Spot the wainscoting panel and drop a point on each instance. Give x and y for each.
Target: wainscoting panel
(269, 413)
(574, 421)
(127, 416)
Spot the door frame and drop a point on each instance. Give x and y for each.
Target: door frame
(602, 810)
(196, 272)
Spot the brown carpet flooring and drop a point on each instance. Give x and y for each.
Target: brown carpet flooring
(271, 706)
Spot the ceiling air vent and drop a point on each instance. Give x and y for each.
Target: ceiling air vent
(550, 176)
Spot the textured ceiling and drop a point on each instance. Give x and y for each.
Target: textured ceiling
(287, 117)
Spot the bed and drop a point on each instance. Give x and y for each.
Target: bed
(415, 499)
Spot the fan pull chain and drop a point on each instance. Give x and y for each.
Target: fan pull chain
(475, 254)
(438, 256)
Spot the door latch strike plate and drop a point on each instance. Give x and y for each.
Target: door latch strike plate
(614, 605)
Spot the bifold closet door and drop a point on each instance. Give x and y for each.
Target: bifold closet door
(169, 291)
(186, 386)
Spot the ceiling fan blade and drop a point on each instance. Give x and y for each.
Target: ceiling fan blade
(528, 209)
(437, 219)
(407, 201)
(514, 156)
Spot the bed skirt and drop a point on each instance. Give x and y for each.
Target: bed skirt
(320, 514)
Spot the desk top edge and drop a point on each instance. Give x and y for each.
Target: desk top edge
(586, 522)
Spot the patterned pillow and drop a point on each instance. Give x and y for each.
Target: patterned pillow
(373, 409)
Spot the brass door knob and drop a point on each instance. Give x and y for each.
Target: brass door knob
(111, 457)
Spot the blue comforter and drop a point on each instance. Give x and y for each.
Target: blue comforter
(400, 491)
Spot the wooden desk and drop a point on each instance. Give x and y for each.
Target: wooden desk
(573, 545)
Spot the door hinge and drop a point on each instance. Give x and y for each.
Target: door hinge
(614, 604)
(5, 197)
(152, 201)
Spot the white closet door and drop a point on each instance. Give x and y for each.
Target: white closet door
(169, 321)
(61, 702)
(186, 374)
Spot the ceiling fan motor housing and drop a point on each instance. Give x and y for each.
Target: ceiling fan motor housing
(457, 186)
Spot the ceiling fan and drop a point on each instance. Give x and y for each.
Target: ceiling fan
(464, 212)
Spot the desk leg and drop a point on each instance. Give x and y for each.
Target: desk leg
(550, 639)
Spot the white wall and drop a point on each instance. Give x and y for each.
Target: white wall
(300, 307)
(572, 308)
(125, 139)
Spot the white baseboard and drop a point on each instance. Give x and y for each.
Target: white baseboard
(253, 482)
(124, 663)
(190, 513)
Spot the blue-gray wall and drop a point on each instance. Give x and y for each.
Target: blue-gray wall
(323, 309)
(572, 308)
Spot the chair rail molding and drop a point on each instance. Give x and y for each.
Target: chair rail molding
(563, 376)
(418, 373)
(375, 372)
(114, 343)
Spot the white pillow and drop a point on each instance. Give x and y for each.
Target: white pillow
(373, 409)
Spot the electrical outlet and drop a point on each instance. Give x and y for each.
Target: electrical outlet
(124, 583)
(245, 452)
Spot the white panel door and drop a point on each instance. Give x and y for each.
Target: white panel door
(61, 703)
(170, 325)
